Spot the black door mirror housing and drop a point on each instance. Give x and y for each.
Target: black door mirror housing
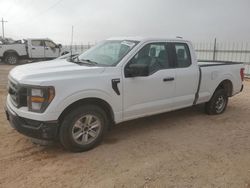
(136, 70)
(59, 46)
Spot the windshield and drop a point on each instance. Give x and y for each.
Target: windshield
(108, 53)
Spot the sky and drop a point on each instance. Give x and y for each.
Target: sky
(96, 20)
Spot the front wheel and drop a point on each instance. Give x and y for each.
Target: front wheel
(83, 128)
(218, 103)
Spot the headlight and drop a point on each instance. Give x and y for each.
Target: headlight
(39, 98)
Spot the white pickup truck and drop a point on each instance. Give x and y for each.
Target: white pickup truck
(77, 100)
(29, 49)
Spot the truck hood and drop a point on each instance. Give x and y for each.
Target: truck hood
(42, 72)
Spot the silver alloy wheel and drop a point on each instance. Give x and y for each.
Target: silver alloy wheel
(12, 60)
(220, 104)
(86, 129)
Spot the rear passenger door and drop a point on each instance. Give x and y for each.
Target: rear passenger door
(36, 49)
(187, 76)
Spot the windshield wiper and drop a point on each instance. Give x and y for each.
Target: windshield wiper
(82, 61)
(90, 62)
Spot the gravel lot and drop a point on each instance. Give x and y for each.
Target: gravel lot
(185, 148)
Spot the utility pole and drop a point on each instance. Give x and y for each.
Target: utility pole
(71, 46)
(3, 26)
(214, 51)
(72, 34)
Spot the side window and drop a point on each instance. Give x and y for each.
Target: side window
(50, 44)
(37, 43)
(154, 56)
(182, 55)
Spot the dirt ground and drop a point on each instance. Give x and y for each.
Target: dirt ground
(185, 148)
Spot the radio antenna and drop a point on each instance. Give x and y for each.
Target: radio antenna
(71, 46)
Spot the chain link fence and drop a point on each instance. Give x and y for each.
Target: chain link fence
(78, 48)
(224, 51)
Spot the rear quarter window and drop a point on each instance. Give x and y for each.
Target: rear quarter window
(182, 53)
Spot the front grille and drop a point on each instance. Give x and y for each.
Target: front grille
(18, 94)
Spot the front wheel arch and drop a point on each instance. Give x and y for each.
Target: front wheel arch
(90, 101)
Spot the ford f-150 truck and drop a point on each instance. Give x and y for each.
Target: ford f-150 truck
(76, 100)
(29, 49)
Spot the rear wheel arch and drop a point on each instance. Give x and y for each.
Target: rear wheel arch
(227, 85)
(10, 52)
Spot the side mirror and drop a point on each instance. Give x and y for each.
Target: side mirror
(136, 70)
(59, 46)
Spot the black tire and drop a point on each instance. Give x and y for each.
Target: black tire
(69, 125)
(218, 103)
(11, 59)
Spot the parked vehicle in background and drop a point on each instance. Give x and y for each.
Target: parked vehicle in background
(33, 49)
(119, 79)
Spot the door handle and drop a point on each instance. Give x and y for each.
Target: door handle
(33, 48)
(46, 48)
(168, 79)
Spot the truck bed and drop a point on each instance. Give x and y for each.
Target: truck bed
(212, 72)
(20, 49)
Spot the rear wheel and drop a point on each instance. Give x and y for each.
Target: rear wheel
(83, 128)
(11, 59)
(218, 103)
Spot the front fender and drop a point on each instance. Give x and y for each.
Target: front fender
(84, 94)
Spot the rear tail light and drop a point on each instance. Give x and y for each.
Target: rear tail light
(242, 73)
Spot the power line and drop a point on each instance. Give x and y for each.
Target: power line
(48, 9)
(3, 21)
(9, 9)
(32, 18)
(23, 3)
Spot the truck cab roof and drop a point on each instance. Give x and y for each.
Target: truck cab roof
(145, 39)
(38, 39)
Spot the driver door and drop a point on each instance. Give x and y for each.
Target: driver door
(51, 49)
(36, 49)
(152, 93)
